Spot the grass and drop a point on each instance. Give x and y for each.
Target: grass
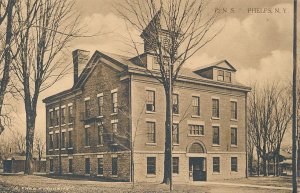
(50, 184)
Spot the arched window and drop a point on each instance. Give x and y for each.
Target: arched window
(196, 148)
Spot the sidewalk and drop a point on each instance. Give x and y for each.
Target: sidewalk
(240, 185)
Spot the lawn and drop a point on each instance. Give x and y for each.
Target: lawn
(37, 184)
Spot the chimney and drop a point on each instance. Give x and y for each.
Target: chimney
(80, 59)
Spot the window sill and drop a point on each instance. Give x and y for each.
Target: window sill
(63, 125)
(189, 135)
(113, 114)
(56, 149)
(175, 174)
(177, 115)
(100, 145)
(215, 118)
(234, 146)
(151, 176)
(151, 144)
(70, 147)
(56, 126)
(87, 146)
(50, 150)
(63, 148)
(216, 145)
(216, 173)
(70, 173)
(99, 175)
(175, 144)
(235, 120)
(196, 116)
(234, 172)
(114, 176)
(150, 112)
(51, 172)
(101, 116)
(87, 174)
(51, 127)
(70, 123)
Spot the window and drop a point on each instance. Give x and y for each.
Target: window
(234, 164)
(233, 110)
(100, 105)
(57, 140)
(71, 116)
(63, 140)
(70, 139)
(87, 136)
(196, 129)
(51, 115)
(175, 104)
(114, 127)
(87, 108)
(220, 75)
(114, 165)
(51, 141)
(196, 105)
(233, 136)
(151, 165)
(151, 132)
(100, 166)
(56, 117)
(87, 166)
(216, 164)
(63, 116)
(175, 133)
(175, 165)
(51, 165)
(100, 134)
(70, 165)
(227, 77)
(155, 65)
(215, 108)
(150, 102)
(114, 99)
(216, 135)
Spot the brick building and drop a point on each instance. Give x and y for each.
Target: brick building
(111, 122)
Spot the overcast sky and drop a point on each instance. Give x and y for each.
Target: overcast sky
(259, 45)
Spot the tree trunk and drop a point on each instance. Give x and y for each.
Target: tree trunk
(168, 142)
(264, 159)
(258, 164)
(30, 128)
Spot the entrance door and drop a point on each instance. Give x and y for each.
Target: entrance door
(197, 168)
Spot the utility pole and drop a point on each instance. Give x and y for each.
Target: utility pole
(294, 131)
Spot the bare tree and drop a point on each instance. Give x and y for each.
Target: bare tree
(40, 149)
(47, 29)
(269, 117)
(5, 54)
(18, 142)
(173, 31)
(40, 146)
(282, 119)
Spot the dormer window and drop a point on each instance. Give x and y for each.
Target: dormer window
(227, 77)
(224, 76)
(220, 75)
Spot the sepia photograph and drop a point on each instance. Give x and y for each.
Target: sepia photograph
(149, 96)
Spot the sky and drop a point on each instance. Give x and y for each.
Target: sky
(258, 44)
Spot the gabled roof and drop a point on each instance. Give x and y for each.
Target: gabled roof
(223, 64)
(126, 64)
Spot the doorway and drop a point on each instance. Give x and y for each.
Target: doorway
(197, 168)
